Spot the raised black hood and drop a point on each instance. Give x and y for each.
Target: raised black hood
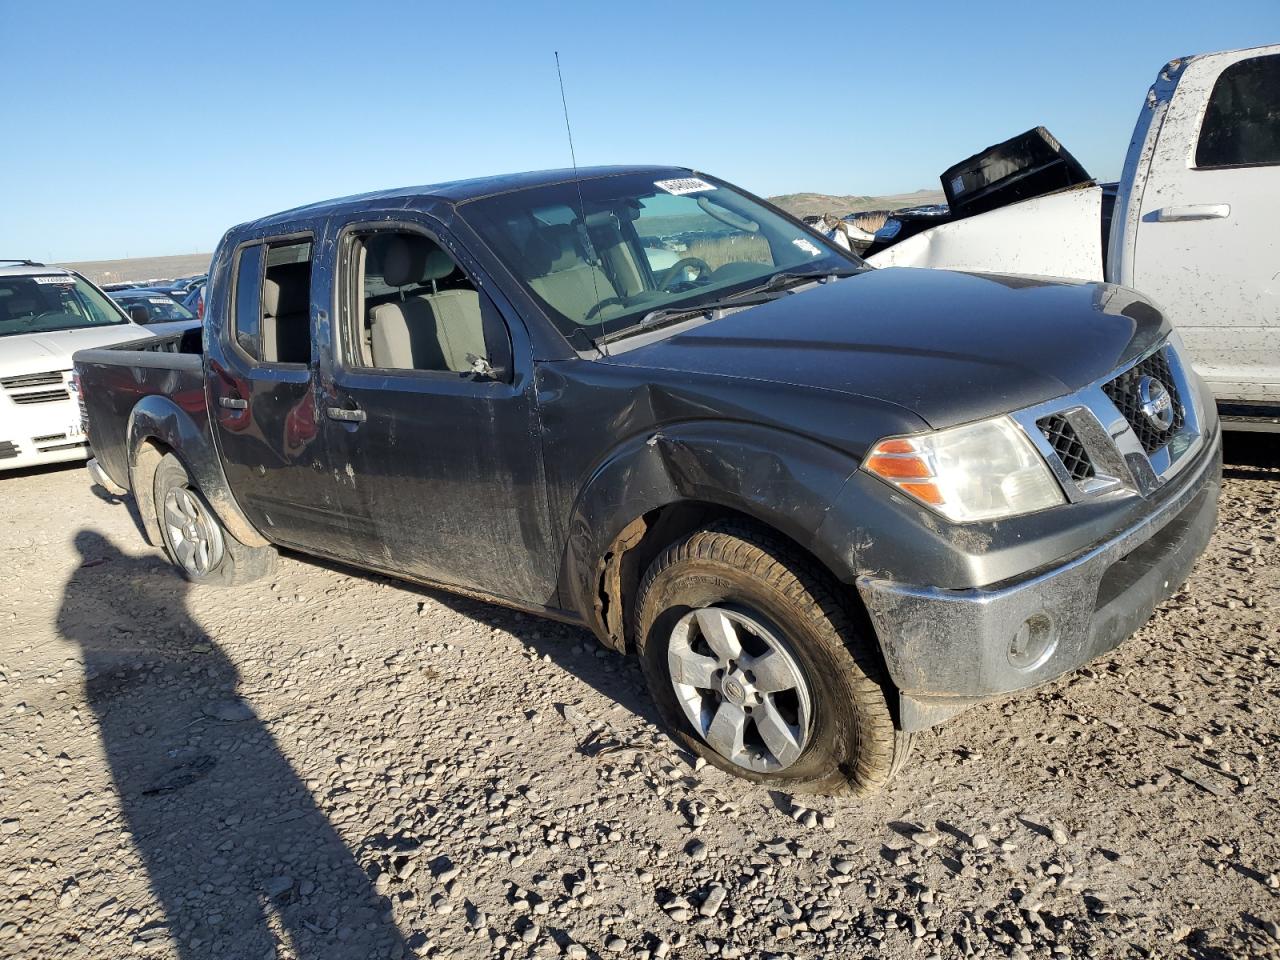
(951, 347)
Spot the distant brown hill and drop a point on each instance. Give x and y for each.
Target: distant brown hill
(142, 268)
(817, 204)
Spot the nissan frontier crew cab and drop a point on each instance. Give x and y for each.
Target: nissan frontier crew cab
(827, 506)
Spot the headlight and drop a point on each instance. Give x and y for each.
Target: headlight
(980, 471)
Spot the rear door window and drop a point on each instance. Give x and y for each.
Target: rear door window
(1241, 125)
(273, 301)
(248, 311)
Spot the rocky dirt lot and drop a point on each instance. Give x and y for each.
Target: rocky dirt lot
(328, 764)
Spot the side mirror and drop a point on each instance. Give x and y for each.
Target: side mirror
(139, 314)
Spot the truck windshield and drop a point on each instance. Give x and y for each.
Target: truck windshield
(637, 243)
(45, 302)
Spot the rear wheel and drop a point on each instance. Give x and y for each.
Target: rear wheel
(758, 667)
(195, 539)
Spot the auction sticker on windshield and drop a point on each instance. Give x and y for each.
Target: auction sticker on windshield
(807, 246)
(55, 279)
(682, 185)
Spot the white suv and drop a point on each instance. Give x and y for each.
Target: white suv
(46, 315)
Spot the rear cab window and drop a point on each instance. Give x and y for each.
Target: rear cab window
(1241, 125)
(271, 317)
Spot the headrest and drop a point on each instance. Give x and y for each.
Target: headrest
(552, 248)
(287, 290)
(439, 265)
(403, 259)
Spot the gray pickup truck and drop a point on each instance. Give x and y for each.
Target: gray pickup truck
(827, 506)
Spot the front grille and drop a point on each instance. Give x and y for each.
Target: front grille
(49, 439)
(40, 396)
(1123, 391)
(8, 450)
(1062, 437)
(31, 380)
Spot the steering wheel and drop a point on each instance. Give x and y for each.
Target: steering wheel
(675, 270)
(606, 302)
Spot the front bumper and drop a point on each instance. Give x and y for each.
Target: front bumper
(947, 649)
(43, 431)
(20, 456)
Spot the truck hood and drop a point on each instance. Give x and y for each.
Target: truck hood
(41, 352)
(950, 347)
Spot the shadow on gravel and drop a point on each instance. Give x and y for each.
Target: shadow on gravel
(238, 856)
(1251, 456)
(128, 502)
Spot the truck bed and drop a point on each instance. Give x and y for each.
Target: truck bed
(113, 380)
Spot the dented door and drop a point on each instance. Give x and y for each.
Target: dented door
(441, 474)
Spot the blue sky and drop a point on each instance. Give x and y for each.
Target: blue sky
(143, 129)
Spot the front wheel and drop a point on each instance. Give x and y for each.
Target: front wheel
(757, 667)
(194, 538)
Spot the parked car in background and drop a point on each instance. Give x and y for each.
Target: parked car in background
(1192, 222)
(185, 285)
(194, 301)
(826, 506)
(156, 310)
(46, 315)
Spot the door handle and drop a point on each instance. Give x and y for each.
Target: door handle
(346, 415)
(1195, 211)
(233, 403)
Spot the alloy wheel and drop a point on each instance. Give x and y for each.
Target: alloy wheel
(740, 687)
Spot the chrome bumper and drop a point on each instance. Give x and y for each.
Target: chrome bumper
(947, 649)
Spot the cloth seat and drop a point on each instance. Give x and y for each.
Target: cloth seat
(426, 331)
(286, 314)
(562, 276)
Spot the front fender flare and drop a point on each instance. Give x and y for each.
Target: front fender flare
(158, 419)
(784, 480)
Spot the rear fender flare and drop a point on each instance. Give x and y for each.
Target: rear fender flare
(783, 480)
(157, 419)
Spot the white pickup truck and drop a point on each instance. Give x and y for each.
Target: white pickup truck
(46, 315)
(1194, 225)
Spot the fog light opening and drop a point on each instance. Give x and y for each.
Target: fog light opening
(1033, 644)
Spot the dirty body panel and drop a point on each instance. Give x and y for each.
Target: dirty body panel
(140, 397)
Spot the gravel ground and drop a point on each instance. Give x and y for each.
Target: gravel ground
(328, 764)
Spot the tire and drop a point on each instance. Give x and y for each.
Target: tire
(195, 540)
(831, 731)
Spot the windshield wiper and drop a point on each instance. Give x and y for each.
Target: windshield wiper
(765, 292)
(666, 316)
(788, 278)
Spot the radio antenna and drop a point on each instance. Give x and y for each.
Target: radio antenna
(582, 207)
(568, 129)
